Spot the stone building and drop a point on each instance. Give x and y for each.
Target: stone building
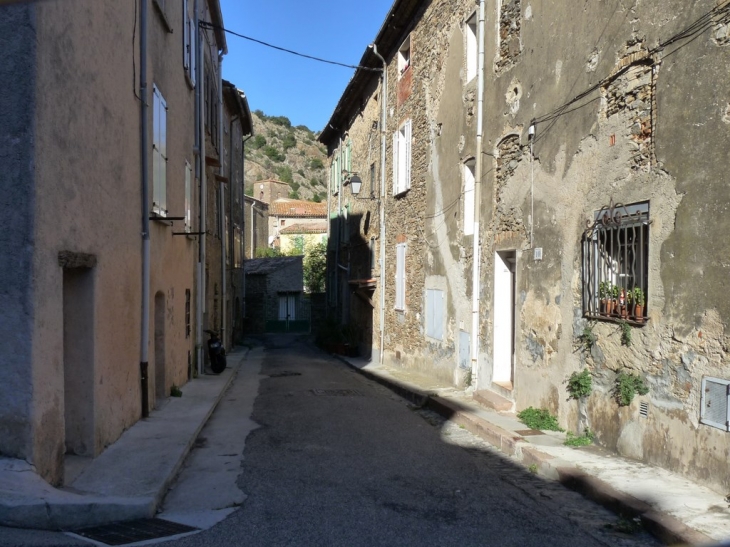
(256, 232)
(285, 212)
(583, 164)
(274, 295)
(270, 190)
(226, 218)
(97, 259)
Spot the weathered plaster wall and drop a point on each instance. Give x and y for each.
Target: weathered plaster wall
(88, 186)
(649, 128)
(17, 201)
(431, 215)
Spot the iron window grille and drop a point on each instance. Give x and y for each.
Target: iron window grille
(615, 264)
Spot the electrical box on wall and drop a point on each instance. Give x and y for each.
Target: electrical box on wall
(538, 253)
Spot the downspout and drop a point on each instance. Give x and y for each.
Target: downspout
(221, 205)
(338, 181)
(231, 235)
(476, 251)
(381, 201)
(145, 334)
(202, 227)
(243, 226)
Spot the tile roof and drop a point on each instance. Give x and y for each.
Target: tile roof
(264, 266)
(313, 228)
(297, 208)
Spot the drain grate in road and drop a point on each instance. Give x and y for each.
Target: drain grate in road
(338, 392)
(122, 533)
(284, 374)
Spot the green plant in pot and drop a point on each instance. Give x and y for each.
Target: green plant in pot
(605, 294)
(639, 299)
(615, 293)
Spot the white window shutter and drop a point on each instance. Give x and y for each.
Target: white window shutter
(163, 153)
(407, 183)
(395, 163)
(193, 50)
(188, 197)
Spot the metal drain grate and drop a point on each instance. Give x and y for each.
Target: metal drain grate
(284, 374)
(122, 533)
(338, 392)
(644, 409)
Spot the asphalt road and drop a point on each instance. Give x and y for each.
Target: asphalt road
(338, 460)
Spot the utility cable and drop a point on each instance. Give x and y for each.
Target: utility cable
(207, 25)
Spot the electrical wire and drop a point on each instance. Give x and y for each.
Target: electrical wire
(207, 25)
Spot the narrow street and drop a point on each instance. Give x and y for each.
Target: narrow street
(340, 460)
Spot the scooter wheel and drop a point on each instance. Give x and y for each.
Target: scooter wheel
(218, 364)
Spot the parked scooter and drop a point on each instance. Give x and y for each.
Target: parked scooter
(216, 352)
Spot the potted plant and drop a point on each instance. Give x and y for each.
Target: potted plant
(639, 299)
(615, 293)
(604, 293)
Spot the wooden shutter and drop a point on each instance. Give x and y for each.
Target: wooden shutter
(395, 163)
(407, 183)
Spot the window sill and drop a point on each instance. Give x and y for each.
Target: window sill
(160, 219)
(631, 320)
(401, 193)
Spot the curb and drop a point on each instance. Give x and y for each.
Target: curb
(666, 528)
(73, 511)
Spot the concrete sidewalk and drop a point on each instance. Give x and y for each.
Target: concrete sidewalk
(674, 509)
(130, 478)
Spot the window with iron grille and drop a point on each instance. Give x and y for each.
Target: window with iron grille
(615, 263)
(715, 404)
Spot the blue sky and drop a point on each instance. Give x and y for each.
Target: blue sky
(282, 84)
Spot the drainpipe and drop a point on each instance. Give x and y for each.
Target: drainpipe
(381, 201)
(231, 234)
(221, 205)
(476, 266)
(200, 96)
(145, 334)
(338, 237)
(243, 224)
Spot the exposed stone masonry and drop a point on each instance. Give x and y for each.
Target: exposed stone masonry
(508, 219)
(631, 94)
(509, 35)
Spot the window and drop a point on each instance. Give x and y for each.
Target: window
(400, 276)
(435, 314)
(715, 403)
(372, 179)
(471, 47)
(159, 153)
(335, 174)
(188, 197)
(187, 313)
(469, 197)
(283, 222)
(404, 56)
(371, 254)
(615, 263)
(190, 40)
(402, 159)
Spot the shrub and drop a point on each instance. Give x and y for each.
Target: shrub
(539, 419)
(289, 141)
(628, 385)
(273, 154)
(579, 440)
(580, 384)
(316, 163)
(257, 142)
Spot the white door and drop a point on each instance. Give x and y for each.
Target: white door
(287, 307)
(503, 319)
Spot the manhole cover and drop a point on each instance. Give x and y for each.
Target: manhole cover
(284, 374)
(528, 432)
(338, 392)
(122, 533)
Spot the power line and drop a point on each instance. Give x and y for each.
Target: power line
(205, 24)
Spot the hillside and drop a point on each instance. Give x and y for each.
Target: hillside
(290, 154)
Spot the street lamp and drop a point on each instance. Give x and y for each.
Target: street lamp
(355, 182)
